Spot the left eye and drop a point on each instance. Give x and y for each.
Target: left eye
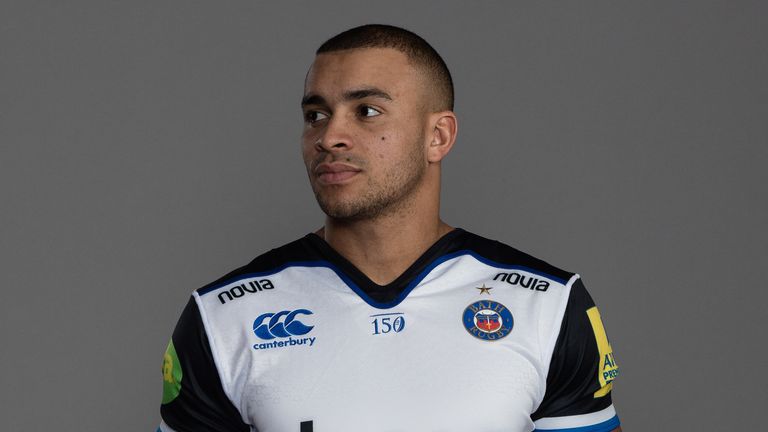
(366, 111)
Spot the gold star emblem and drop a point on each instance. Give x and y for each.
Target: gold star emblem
(485, 289)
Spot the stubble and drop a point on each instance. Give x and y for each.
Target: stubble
(383, 195)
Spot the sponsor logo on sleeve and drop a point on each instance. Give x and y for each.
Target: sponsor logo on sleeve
(487, 320)
(280, 328)
(171, 374)
(608, 370)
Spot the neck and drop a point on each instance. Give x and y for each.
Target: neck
(384, 247)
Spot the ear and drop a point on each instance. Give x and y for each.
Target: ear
(444, 130)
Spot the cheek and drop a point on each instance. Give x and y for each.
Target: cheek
(308, 140)
(305, 151)
(381, 147)
(310, 135)
(384, 145)
(307, 154)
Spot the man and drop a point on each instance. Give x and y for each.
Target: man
(387, 318)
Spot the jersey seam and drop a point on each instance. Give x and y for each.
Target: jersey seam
(215, 354)
(550, 346)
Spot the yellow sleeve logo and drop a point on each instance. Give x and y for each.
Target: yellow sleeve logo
(608, 370)
(171, 374)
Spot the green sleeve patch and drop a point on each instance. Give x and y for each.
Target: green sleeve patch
(171, 374)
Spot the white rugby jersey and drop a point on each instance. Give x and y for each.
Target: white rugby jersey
(475, 335)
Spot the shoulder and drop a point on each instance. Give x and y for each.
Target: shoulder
(579, 359)
(271, 262)
(504, 256)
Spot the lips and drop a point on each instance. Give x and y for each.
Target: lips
(335, 173)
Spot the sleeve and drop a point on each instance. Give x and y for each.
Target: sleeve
(581, 372)
(193, 396)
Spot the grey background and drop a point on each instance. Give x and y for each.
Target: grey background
(146, 148)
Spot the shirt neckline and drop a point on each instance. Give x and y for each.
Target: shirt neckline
(391, 291)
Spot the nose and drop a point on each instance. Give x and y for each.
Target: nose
(335, 136)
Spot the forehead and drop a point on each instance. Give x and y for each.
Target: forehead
(333, 73)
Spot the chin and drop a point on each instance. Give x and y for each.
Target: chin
(338, 210)
(343, 209)
(354, 206)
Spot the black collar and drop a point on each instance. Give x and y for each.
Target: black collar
(386, 293)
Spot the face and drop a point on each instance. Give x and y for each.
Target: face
(364, 132)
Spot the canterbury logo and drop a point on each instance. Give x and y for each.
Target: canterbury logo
(282, 324)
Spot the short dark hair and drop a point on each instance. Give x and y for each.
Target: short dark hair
(419, 52)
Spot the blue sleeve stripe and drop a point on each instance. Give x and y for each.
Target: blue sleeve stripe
(606, 426)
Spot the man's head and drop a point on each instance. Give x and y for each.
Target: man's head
(420, 54)
(377, 108)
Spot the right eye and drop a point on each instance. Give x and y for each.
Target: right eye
(314, 116)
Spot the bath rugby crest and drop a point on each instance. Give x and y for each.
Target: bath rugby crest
(301, 340)
(487, 320)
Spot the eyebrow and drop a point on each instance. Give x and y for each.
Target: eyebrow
(350, 95)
